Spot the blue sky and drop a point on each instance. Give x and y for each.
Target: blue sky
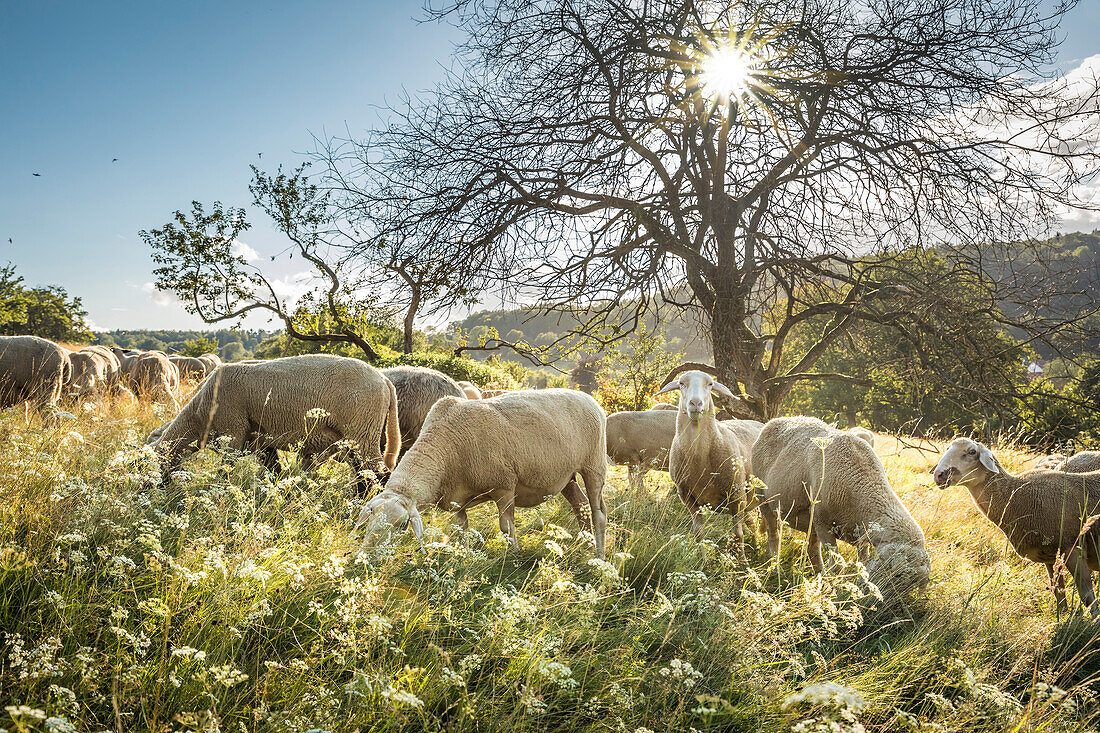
(186, 95)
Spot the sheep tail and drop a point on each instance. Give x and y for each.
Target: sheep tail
(393, 431)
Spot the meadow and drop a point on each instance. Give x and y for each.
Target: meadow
(231, 599)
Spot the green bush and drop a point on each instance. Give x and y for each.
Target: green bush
(499, 375)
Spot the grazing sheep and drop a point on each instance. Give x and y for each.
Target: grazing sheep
(33, 370)
(516, 450)
(471, 390)
(418, 388)
(310, 402)
(864, 434)
(1053, 462)
(708, 459)
(1048, 516)
(640, 441)
(112, 368)
(1086, 461)
(831, 485)
(151, 375)
(212, 361)
(189, 367)
(88, 374)
(126, 358)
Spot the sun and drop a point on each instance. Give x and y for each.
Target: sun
(726, 73)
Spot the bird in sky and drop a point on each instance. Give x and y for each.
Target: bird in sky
(114, 160)
(259, 155)
(36, 175)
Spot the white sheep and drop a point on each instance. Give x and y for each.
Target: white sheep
(708, 460)
(864, 434)
(640, 441)
(418, 388)
(519, 449)
(471, 390)
(831, 485)
(1048, 516)
(33, 370)
(1086, 461)
(311, 403)
(151, 375)
(1053, 462)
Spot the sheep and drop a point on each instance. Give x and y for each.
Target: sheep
(518, 449)
(32, 370)
(831, 485)
(708, 459)
(1053, 462)
(418, 388)
(1047, 516)
(88, 374)
(490, 393)
(641, 441)
(151, 375)
(310, 402)
(110, 363)
(1086, 461)
(126, 358)
(864, 433)
(471, 390)
(665, 406)
(211, 361)
(189, 367)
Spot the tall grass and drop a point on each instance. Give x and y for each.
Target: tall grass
(233, 600)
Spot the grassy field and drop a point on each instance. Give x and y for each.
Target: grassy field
(233, 600)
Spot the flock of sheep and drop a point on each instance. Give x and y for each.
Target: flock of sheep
(446, 444)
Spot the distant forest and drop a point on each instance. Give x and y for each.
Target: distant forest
(232, 345)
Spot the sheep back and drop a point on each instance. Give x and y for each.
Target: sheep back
(418, 388)
(641, 438)
(1084, 462)
(532, 442)
(274, 399)
(32, 369)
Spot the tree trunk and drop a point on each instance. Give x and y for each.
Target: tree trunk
(410, 316)
(735, 364)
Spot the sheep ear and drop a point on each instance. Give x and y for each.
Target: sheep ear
(416, 523)
(671, 386)
(725, 392)
(986, 457)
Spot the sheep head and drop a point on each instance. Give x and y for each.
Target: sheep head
(966, 462)
(387, 512)
(697, 393)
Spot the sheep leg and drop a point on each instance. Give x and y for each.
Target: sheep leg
(864, 549)
(1058, 586)
(738, 537)
(573, 494)
(507, 512)
(1082, 576)
(593, 486)
(462, 520)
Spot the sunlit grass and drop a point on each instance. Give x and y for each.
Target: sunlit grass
(231, 599)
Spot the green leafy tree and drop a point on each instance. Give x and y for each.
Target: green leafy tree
(633, 369)
(199, 346)
(48, 312)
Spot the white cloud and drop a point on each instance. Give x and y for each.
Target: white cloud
(159, 297)
(244, 251)
(292, 287)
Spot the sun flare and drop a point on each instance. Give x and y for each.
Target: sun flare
(726, 73)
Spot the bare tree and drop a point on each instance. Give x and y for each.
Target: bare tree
(743, 159)
(200, 260)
